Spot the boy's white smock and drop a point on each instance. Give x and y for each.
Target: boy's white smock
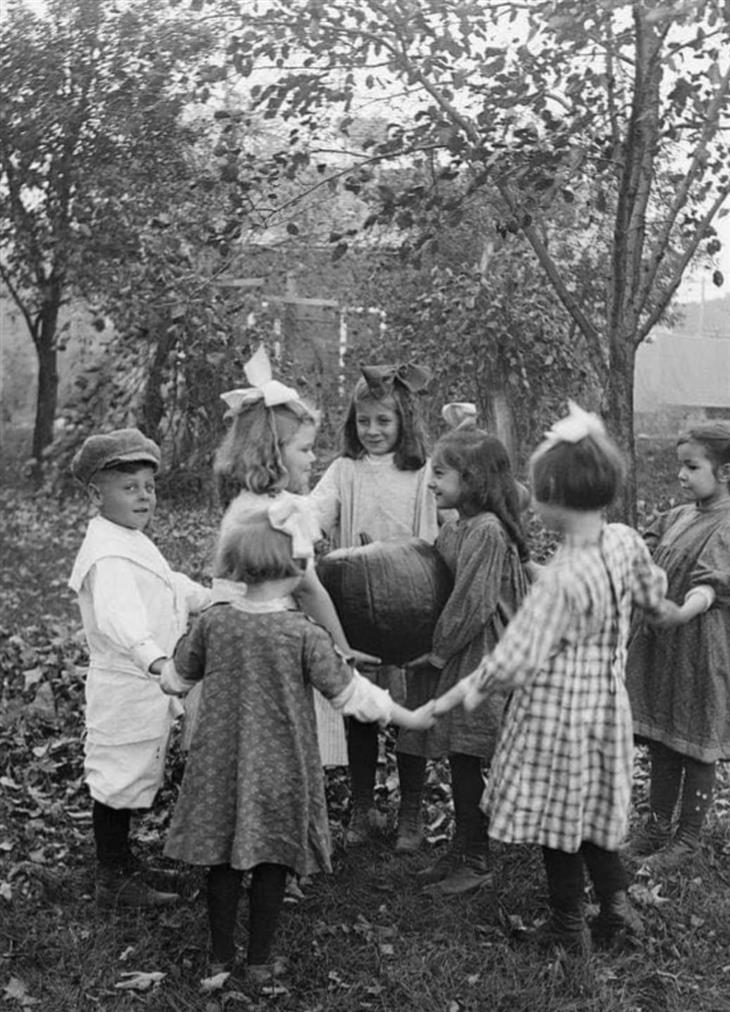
(134, 608)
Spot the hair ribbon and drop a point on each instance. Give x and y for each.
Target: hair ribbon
(381, 378)
(577, 425)
(263, 386)
(286, 515)
(458, 412)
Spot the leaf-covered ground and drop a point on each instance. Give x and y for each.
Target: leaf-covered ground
(366, 937)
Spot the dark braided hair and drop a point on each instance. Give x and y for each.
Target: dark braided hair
(486, 477)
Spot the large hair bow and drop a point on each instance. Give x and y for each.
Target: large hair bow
(381, 378)
(458, 412)
(263, 386)
(286, 514)
(575, 426)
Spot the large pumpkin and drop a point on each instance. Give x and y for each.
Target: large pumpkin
(388, 596)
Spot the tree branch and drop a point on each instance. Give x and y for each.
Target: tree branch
(689, 252)
(681, 193)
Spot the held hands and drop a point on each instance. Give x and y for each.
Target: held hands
(423, 718)
(171, 683)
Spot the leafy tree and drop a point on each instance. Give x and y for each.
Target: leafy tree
(618, 107)
(92, 144)
(473, 308)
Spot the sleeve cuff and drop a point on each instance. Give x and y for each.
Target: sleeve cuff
(704, 591)
(364, 701)
(145, 653)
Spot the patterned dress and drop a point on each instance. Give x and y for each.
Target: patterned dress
(253, 789)
(679, 679)
(489, 584)
(562, 771)
(330, 728)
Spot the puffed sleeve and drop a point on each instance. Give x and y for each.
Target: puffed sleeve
(189, 653)
(195, 595)
(475, 595)
(713, 566)
(120, 612)
(346, 689)
(326, 497)
(425, 520)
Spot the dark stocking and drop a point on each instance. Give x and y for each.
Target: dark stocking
(111, 834)
(699, 781)
(266, 898)
(362, 755)
(666, 780)
(224, 889)
(606, 871)
(467, 787)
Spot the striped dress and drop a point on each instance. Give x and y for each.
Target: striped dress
(562, 770)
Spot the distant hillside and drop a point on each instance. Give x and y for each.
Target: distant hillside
(709, 320)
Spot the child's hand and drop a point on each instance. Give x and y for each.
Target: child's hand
(364, 661)
(424, 717)
(450, 699)
(424, 661)
(171, 683)
(666, 615)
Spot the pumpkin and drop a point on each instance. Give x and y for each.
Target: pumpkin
(388, 596)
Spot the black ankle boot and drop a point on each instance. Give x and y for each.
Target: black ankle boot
(618, 922)
(115, 887)
(565, 929)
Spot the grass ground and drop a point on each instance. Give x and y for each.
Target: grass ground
(366, 937)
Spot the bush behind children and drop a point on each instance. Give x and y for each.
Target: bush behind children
(561, 754)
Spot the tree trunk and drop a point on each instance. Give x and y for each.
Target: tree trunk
(618, 409)
(153, 406)
(44, 338)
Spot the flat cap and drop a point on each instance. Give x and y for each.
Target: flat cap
(111, 448)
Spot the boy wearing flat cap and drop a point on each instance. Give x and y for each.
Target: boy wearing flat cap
(134, 608)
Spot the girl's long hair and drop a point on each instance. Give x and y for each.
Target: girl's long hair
(485, 472)
(411, 449)
(250, 455)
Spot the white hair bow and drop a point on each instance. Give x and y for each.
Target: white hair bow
(263, 386)
(285, 514)
(457, 412)
(575, 426)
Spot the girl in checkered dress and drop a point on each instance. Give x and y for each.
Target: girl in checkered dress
(561, 774)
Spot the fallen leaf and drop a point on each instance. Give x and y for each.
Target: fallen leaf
(137, 980)
(16, 990)
(32, 677)
(210, 984)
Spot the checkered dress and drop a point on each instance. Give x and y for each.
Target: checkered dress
(562, 770)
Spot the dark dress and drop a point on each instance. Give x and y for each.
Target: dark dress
(253, 789)
(489, 585)
(679, 679)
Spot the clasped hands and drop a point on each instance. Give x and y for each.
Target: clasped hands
(464, 693)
